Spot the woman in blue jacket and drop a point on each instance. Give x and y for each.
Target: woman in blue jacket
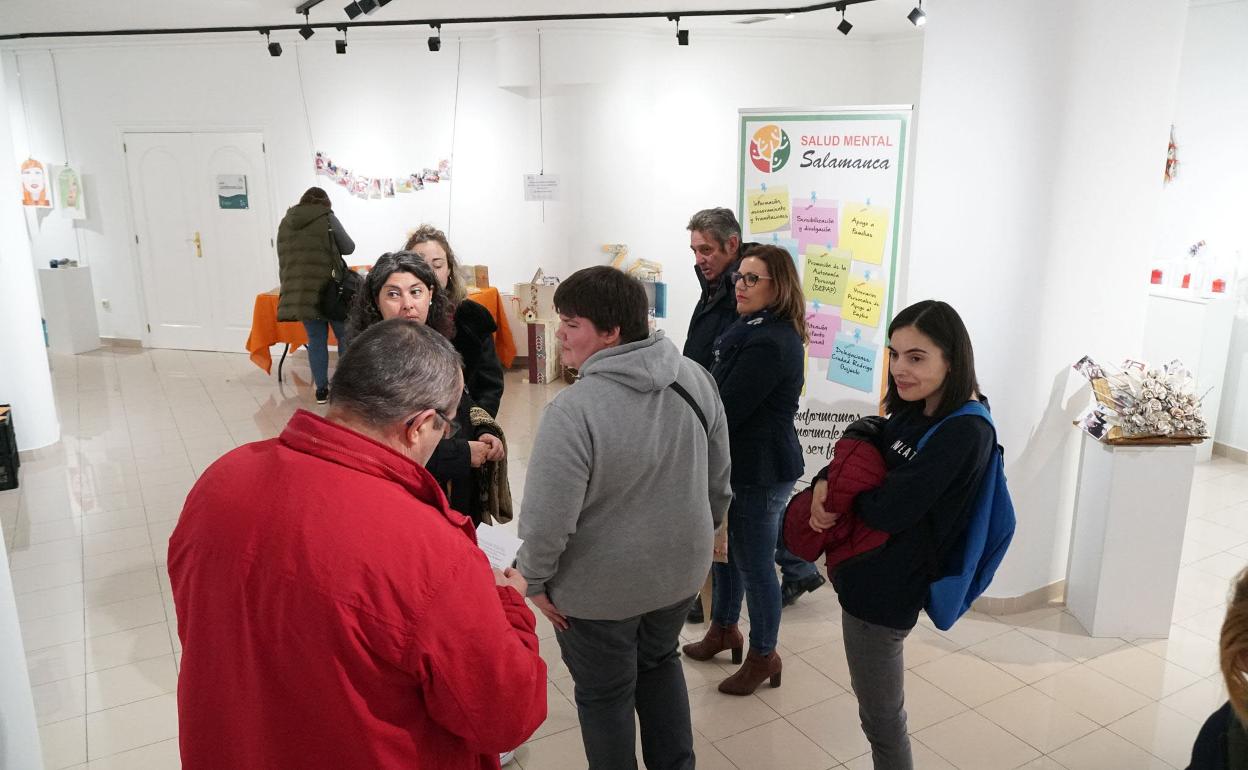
(759, 365)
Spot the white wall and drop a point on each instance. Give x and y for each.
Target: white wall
(1209, 196)
(1038, 176)
(643, 133)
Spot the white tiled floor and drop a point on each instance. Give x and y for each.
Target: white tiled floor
(88, 529)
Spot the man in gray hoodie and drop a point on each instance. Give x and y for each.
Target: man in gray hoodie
(628, 479)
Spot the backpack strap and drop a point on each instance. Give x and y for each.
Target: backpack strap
(680, 391)
(969, 408)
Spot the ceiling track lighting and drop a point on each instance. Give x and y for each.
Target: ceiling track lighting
(356, 9)
(275, 49)
(682, 35)
(844, 27)
(435, 40)
(917, 17)
(306, 30)
(341, 45)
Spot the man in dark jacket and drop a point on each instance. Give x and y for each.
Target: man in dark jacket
(715, 238)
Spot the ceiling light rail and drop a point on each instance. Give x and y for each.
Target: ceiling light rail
(362, 22)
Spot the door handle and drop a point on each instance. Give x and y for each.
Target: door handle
(199, 245)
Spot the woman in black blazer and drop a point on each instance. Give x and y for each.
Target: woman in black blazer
(760, 367)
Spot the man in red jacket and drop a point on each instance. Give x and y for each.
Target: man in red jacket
(333, 611)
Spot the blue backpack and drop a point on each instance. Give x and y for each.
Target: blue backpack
(969, 565)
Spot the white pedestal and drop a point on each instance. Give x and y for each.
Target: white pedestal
(69, 308)
(1197, 331)
(1130, 514)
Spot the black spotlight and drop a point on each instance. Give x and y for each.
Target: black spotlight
(917, 17)
(341, 45)
(353, 9)
(275, 49)
(844, 26)
(367, 6)
(435, 41)
(306, 30)
(682, 35)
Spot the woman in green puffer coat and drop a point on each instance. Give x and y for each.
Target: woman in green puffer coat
(310, 240)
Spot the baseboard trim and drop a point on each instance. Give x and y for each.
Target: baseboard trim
(120, 342)
(1230, 452)
(1052, 595)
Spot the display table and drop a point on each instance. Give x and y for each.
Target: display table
(69, 309)
(1130, 514)
(267, 331)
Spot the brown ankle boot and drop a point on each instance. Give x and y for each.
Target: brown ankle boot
(718, 638)
(752, 673)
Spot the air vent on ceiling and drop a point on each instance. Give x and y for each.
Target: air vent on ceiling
(757, 19)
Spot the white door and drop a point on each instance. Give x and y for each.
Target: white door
(203, 257)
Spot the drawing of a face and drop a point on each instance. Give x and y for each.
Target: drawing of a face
(34, 184)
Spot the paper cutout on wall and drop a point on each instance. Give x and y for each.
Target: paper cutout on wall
(816, 224)
(788, 244)
(823, 328)
(35, 185)
(853, 363)
(863, 229)
(826, 275)
(70, 195)
(863, 301)
(768, 209)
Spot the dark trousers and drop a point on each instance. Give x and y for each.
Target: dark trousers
(622, 667)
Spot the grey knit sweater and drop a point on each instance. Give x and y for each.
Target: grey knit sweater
(625, 488)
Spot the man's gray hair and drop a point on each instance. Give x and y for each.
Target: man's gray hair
(721, 224)
(394, 369)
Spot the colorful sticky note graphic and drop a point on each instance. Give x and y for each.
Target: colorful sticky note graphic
(823, 328)
(826, 275)
(863, 301)
(853, 363)
(816, 225)
(768, 209)
(863, 228)
(788, 244)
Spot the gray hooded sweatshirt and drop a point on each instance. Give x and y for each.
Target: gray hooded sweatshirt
(625, 488)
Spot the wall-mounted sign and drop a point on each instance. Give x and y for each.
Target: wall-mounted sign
(232, 191)
(541, 187)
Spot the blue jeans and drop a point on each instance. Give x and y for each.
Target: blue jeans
(792, 567)
(318, 348)
(753, 526)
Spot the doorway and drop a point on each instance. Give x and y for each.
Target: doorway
(203, 234)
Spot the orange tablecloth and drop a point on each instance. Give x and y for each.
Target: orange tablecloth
(504, 345)
(266, 330)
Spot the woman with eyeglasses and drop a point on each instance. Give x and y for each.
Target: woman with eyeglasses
(759, 366)
(402, 285)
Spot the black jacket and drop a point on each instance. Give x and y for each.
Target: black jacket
(451, 463)
(483, 373)
(924, 504)
(715, 312)
(760, 370)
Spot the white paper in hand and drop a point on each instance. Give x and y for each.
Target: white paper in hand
(500, 546)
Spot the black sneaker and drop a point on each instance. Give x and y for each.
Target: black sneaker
(322, 395)
(695, 612)
(790, 591)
